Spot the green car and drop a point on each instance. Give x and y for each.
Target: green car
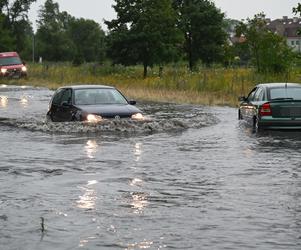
(272, 106)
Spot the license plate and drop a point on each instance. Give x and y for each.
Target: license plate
(290, 112)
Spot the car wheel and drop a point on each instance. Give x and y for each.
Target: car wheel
(256, 127)
(73, 118)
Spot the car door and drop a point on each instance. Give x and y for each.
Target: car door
(247, 107)
(258, 100)
(54, 105)
(255, 101)
(65, 108)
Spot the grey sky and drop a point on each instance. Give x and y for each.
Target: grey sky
(237, 9)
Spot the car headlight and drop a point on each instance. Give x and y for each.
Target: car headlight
(93, 118)
(138, 116)
(3, 71)
(24, 69)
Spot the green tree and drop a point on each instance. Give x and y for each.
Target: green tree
(15, 20)
(88, 38)
(53, 42)
(15, 10)
(144, 32)
(203, 26)
(242, 52)
(269, 51)
(7, 42)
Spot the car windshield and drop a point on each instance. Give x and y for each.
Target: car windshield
(285, 93)
(10, 61)
(98, 96)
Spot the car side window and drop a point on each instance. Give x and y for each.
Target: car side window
(258, 96)
(66, 96)
(251, 95)
(57, 97)
(262, 95)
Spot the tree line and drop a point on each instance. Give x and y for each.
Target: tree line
(147, 32)
(59, 36)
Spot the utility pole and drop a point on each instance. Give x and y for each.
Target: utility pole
(33, 48)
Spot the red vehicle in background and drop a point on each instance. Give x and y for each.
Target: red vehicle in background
(11, 65)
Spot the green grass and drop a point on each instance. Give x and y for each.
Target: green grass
(209, 86)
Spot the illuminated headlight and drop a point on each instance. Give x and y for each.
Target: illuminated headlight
(94, 118)
(3, 71)
(138, 116)
(24, 69)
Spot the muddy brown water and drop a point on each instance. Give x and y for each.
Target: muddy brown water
(191, 177)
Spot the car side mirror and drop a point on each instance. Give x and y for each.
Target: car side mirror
(132, 102)
(242, 99)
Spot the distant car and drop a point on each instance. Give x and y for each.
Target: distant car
(91, 103)
(11, 65)
(272, 106)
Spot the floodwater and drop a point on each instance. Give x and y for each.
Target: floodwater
(191, 177)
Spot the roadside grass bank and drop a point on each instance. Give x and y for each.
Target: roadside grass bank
(207, 86)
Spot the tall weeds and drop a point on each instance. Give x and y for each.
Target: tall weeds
(210, 86)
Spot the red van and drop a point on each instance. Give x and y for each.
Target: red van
(11, 65)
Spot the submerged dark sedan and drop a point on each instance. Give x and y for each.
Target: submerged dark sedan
(272, 106)
(90, 103)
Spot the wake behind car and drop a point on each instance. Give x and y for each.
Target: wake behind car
(272, 106)
(91, 103)
(11, 65)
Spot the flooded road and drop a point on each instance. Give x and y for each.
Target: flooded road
(191, 178)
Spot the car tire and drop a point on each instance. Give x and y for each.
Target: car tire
(256, 127)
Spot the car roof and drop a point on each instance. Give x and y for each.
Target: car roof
(8, 54)
(87, 86)
(278, 84)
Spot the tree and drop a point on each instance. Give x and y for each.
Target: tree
(62, 37)
(53, 42)
(15, 10)
(144, 32)
(297, 10)
(88, 38)
(269, 51)
(15, 20)
(202, 24)
(7, 41)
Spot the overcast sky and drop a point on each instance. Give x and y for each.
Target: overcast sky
(99, 10)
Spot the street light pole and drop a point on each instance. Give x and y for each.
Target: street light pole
(33, 48)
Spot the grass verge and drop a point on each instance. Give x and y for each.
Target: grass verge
(208, 86)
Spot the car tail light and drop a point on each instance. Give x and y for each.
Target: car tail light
(265, 109)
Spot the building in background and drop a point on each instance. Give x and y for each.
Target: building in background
(290, 28)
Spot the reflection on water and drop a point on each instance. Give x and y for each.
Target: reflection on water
(24, 101)
(138, 151)
(140, 245)
(139, 201)
(248, 153)
(84, 242)
(136, 182)
(3, 101)
(91, 148)
(88, 199)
